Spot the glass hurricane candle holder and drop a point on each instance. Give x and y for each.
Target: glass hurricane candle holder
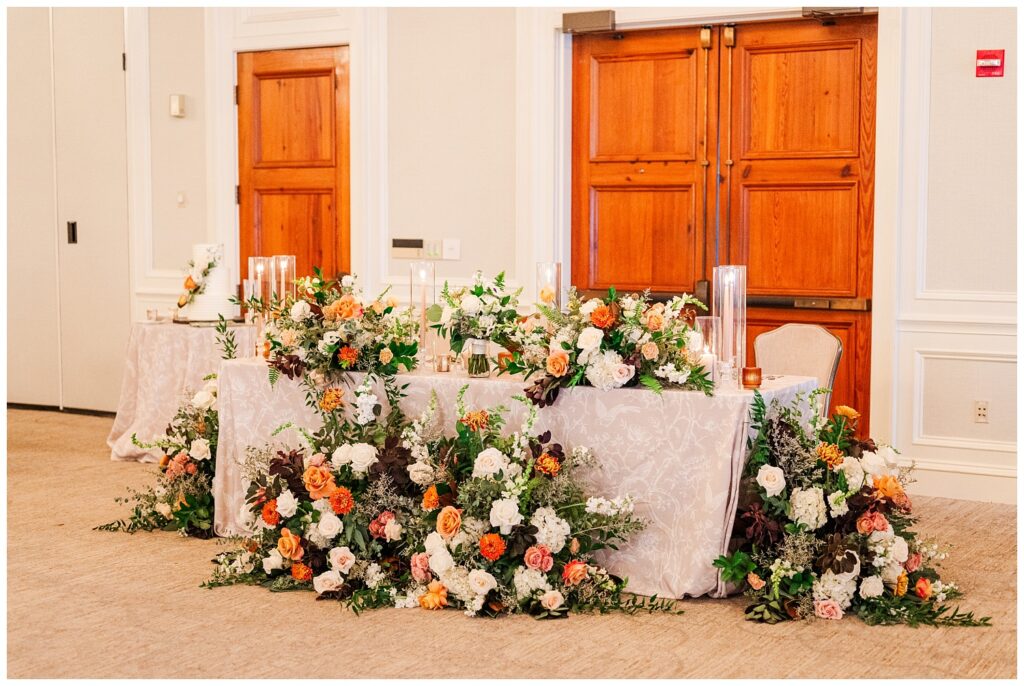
(549, 284)
(730, 306)
(708, 327)
(282, 278)
(422, 287)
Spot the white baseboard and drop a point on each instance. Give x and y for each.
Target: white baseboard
(965, 485)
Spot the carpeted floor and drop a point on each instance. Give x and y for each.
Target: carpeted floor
(83, 603)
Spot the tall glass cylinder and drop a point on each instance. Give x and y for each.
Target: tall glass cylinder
(730, 305)
(422, 287)
(283, 277)
(261, 270)
(549, 284)
(708, 327)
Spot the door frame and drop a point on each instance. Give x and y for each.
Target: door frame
(544, 199)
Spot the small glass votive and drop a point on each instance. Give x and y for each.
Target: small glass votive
(751, 378)
(442, 363)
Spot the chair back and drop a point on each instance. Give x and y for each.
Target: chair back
(800, 350)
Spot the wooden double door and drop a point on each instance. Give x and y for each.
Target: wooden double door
(750, 144)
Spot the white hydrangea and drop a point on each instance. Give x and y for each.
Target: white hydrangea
(807, 507)
(837, 506)
(373, 576)
(527, 581)
(552, 530)
(605, 370)
(854, 472)
(873, 463)
(837, 587)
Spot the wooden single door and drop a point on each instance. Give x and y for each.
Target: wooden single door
(642, 121)
(293, 157)
(798, 103)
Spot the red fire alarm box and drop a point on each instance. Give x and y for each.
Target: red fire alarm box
(990, 63)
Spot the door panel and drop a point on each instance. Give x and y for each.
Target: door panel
(640, 132)
(293, 148)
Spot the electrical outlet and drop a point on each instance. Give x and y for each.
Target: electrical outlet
(981, 411)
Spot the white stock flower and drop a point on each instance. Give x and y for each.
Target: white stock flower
(329, 525)
(771, 479)
(328, 581)
(871, 587)
(482, 582)
(807, 507)
(489, 463)
(164, 509)
(341, 559)
(505, 514)
(200, 449)
(300, 311)
(362, 456)
(589, 338)
(287, 504)
(273, 561)
(837, 506)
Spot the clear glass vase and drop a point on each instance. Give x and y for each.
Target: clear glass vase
(478, 365)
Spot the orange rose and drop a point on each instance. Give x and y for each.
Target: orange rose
(923, 588)
(865, 524)
(492, 546)
(603, 317)
(574, 572)
(887, 487)
(655, 321)
(449, 521)
(558, 363)
(270, 514)
(435, 598)
(289, 545)
(430, 499)
(190, 283)
(319, 482)
(341, 501)
(301, 572)
(377, 306)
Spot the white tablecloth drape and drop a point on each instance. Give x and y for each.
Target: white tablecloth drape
(165, 362)
(679, 454)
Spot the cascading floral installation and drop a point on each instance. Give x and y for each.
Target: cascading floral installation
(608, 343)
(389, 513)
(826, 527)
(195, 280)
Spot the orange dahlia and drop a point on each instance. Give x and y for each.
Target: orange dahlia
(603, 317)
(301, 572)
(548, 464)
(430, 499)
(331, 399)
(270, 514)
(347, 356)
(492, 546)
(341, 501)
(476, 420)
(830, 454)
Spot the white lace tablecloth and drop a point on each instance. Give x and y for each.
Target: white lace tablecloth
(165, 362)
(680, 454)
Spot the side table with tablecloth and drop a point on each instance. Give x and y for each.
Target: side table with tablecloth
(165, 361)
(680, 454)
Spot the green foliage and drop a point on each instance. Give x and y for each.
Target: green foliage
(735, 566)
(226, 339)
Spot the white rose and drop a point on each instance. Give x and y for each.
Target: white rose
(889, 456)
(341, 456)
(871, 587)
(590, 338)
(348, 281)
(505, 514)
(287, 504)
(552, 600)
(341, 559)
(300, 311)
(771, 479)
(363, 456)
(470, 304)
(392, 530)
(488, 463)
(164, 509)
(587, 308)
(441, 561)
(200, 449)
(434, 543)
(273, 561)
(482, 582)
(329, 525)
(328, 581)
(854, 473)
(204, 400)
(331, 337)
(421, 473)
(622, 373)
(900, 550)
(873, 463)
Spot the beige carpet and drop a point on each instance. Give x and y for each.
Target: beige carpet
(83, 603)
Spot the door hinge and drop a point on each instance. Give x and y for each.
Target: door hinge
(124, 62)
(236, 95)
(238, 195)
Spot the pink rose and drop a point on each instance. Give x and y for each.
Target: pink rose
(539, 557)
(879, 522)
(377, 526)
(316, 460)
(828, 609)
(913, 562)
(420, 564)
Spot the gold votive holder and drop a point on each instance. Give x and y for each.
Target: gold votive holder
(751, 378)
(442, 363)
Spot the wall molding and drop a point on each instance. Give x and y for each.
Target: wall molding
(969, 326)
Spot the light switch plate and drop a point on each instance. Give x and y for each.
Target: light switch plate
(451, 249)
(178, 106)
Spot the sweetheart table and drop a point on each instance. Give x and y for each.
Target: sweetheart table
(165, 361)
(679, 454)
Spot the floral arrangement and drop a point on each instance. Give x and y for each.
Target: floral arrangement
(195, 280)
(479, 312)
(826, 528)
(181, 500)
(608, 343)
(329, 329)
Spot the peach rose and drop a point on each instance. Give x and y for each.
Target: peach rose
(923, 588)
(558, 363)
(865, 524)
(756, 582)
(547, 295)
(879, 522)
(913, 562)
(289, 545)
(420, 565)
(449, 521)
(435, 598)
(378, 525)
(574, 572)
(828, 609)
(319, 482)
(655, 321)
(649, 350)
(347, 307)
(539, 557)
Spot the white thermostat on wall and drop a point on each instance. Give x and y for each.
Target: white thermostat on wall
(177, 105)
